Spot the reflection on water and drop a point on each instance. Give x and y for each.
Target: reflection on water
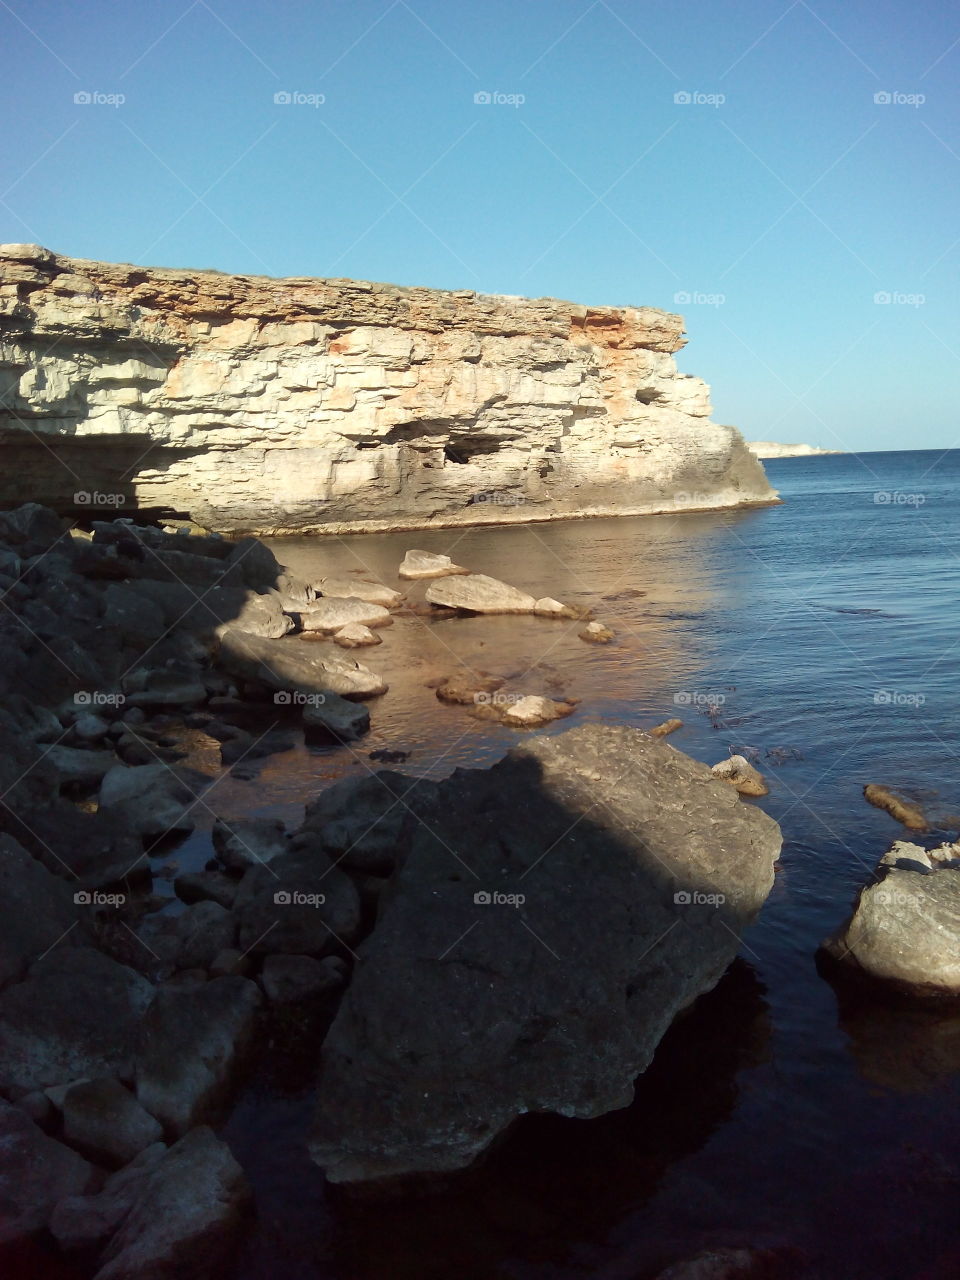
(824, 632)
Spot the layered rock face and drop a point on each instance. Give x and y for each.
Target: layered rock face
(250, 404)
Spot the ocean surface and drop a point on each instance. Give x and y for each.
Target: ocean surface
(821, 638)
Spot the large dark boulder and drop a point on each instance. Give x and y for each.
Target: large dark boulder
(553, 916)
(35, 1172)
(74, 1017)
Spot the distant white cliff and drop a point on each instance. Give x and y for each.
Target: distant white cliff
(770, 449)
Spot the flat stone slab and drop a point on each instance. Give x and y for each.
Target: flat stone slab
(552, 917)
(480, 594)
(296, 667)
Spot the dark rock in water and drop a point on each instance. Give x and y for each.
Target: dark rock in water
(206, 886)
(365, 824)
(172, 1213)
(299, 904)
(192, 1042)
(389, 757)
(35, 1173)
(242, 843)
(104, 1121)
(37, 911)
(153, 799)
(74, 1017)
(553, 916)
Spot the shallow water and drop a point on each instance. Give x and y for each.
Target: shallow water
(822, 634)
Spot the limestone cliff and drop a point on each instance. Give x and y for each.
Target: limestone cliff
(771, 449)
(290, 406)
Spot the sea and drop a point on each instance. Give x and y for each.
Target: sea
(784, 1111)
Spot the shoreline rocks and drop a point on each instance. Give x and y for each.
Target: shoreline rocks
(533, 949)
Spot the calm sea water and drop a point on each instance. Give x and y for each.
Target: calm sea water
(823, 636)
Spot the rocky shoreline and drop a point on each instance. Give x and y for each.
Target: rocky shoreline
(462, 953)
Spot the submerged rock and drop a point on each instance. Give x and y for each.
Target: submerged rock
(596, 633)
(356, 636)
(372, 592)
(477, 593)
(740, 773)
(911, 815)
(330, 614)
(552, 917)
(426, 564)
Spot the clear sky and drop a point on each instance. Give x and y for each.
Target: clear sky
(771, 209)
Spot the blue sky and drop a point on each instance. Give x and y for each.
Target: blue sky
(771, 209)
